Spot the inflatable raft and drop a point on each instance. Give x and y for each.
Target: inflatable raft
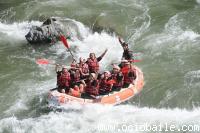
(56, 98)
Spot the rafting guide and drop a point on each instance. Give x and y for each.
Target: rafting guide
(127, 54)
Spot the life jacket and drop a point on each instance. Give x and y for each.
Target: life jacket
(118, 83)
(93, 65)
(104, 86)
(76, 77)
(129, 76)
(92, 88)
(75, 93)
(63, 80)
(85, 68)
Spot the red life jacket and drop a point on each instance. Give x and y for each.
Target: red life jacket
(92, 89)
(85, 68)
(93, 65)
(117, 84)
(129, 79)
(76, 77)
(104, 86)
(63, 80)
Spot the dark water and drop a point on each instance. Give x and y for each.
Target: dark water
(164, 34)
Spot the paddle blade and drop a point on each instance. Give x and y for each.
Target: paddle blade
(135, 60)
(42, 61)
(64, 40)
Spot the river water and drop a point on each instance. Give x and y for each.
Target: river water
(164, 34)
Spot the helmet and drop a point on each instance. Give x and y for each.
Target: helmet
(124, 61)
(127, 63)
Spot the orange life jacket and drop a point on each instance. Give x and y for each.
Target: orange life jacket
(75, 93)
(93, 65)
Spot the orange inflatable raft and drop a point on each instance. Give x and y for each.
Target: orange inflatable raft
(56, 98)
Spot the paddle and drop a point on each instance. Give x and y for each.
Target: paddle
(135, 61)
(43, 61)
(62, 37)
(64, 40)
(50, 62)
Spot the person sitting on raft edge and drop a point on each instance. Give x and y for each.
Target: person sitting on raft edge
(127, 54)
(63, 79)
(129, 73)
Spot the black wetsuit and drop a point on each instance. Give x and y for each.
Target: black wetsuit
(127, 55)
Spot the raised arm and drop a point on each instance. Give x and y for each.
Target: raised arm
(57, 68)
(103, 54)
(120, 40)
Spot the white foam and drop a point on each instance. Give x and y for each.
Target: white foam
(173, 37)
(192, 78)
(198, 1)
(93, 42)
(173, 27)
(17, 31)
(27, 91)
(189, 35)
(97, 43)
(89, 118)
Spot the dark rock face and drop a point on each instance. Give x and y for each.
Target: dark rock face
(49, 32)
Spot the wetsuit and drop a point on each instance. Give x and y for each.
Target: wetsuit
(127, 55)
